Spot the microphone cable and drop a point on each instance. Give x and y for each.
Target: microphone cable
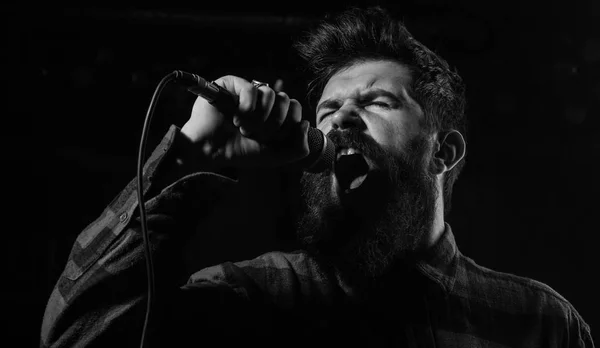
(215, 95)
(227, 103)
(142, 207)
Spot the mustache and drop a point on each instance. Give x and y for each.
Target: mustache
(360, 141)
(404, 166)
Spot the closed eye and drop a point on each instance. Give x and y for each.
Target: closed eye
(379, 104)
(324, 115)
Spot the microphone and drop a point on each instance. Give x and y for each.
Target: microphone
(321, 149)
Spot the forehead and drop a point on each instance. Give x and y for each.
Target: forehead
(391, 76)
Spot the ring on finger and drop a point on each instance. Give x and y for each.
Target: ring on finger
(259, 84)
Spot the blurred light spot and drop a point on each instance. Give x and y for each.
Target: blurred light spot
(139, 79)
(565, 70)
(278, 86)
(591, 51)
(105, 56)
(575, 114)
(82, 77)
(565, 40)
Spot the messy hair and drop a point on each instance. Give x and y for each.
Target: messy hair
(358, 35)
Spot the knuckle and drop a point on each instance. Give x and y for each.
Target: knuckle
(269, 93)
(296, 110)
(248, 100)
(246, 106)
(279, 119)
(283, 96)
(294, 103)
(284, 102)
(268, 96)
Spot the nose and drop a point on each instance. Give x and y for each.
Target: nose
(347, 117)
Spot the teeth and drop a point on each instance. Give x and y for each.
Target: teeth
(347, 151)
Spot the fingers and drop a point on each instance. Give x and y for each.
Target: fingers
(276, 118)
(292, 116)
(268, 107)
(295, 130)
(244, 93)
(263, 114)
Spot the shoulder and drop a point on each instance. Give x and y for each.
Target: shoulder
(485, 284)
(518, 299)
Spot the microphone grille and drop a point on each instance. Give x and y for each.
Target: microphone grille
(322, 151)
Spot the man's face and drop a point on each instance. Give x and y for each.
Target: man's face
(377, 204)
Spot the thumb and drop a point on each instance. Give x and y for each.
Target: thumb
(292, 149)
(243, 91)
(299, 139)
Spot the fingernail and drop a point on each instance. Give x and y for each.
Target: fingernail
(244, 131)
(305, 126)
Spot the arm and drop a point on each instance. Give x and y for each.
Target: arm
(100, 297)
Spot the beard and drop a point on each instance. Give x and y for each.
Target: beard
(365, 234)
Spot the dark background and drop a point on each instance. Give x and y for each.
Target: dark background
(79, 80)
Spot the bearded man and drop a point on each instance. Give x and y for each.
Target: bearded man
(379, 264)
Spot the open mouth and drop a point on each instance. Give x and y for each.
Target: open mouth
(351, 168)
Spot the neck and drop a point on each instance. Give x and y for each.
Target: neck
(438, 226)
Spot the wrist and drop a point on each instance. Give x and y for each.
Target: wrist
(184, 154)
(193, 156)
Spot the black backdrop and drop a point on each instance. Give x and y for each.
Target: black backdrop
(79, 80)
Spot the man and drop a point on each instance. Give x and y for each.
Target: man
(380, 266)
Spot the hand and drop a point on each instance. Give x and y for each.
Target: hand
(266, 130)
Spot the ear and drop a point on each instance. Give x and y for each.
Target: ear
(449, 149)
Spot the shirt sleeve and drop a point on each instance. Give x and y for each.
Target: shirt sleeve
(100, 297)
(579, 335)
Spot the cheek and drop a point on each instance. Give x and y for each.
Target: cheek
(324, 126)
(393, 137)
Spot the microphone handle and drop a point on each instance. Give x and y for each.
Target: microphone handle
(212, 92)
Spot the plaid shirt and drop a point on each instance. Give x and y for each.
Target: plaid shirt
(281, 299)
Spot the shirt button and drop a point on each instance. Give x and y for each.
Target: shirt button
(123, 217)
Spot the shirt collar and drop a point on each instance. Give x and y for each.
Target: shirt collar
(439, 263)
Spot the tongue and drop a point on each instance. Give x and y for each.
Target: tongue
(358, 181)
(351, 171)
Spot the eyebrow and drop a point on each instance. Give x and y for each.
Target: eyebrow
(369, 95)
